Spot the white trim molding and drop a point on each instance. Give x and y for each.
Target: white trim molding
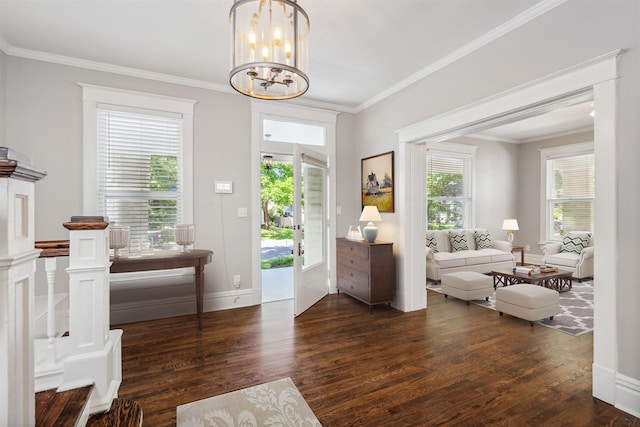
(327, 118)
(627, 394)
(93, 95)
(538, 9)
(569, 86)
(593, 79)
(548, 154)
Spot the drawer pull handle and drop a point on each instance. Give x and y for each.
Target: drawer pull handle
(351, 261)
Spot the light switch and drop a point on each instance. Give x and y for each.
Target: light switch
(242, 212)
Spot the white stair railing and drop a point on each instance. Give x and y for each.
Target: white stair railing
(51, 315)
(50, 268)
(90, 354)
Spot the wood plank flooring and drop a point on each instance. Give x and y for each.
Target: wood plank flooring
(61, 409)
(453, 364)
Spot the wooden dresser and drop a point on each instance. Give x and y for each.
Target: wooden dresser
(366, 271)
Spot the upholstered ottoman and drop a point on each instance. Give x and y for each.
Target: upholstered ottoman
(529, 302)
(467, 285)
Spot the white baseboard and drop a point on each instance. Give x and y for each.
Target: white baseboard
(616, 389)
(178, 306)
(627, 395)
(603, 383)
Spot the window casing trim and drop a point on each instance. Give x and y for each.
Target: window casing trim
(93, 96)
(551, 153)
(461, 151)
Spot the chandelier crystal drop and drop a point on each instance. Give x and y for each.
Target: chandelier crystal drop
(269, 52)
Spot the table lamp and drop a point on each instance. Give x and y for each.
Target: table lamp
(370, 231)
(510, 225)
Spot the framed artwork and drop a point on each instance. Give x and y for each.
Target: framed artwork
(377, 182)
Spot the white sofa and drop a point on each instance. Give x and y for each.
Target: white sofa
(443, 259)
(574, 253)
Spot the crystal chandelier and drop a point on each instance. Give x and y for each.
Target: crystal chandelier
(270, 44)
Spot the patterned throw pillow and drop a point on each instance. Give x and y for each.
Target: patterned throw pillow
(432, 242)
(575, 242)
(458, 241)
(483, 239)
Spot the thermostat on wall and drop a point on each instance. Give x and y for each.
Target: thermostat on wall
(224, 187)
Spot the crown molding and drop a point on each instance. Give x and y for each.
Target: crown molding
(523, 18)
(539, 9)
(115, 69)
(150, 75)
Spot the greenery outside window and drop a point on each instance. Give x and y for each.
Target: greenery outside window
(449, 187)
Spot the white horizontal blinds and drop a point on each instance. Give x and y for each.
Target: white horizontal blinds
(448, 189)
(571, 193)
(139, 163)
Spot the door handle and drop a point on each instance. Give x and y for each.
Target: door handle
(300, 250)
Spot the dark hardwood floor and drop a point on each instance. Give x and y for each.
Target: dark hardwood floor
(453, 364)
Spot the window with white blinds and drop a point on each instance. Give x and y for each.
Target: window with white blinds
(448, 189)
(138, 161)
(139, 164)
(570, 193)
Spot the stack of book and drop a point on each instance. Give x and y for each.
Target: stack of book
(529, 270)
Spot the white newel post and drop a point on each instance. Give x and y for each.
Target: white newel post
(95, 351)
(17, 269)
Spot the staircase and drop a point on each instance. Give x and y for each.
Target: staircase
(76, 373)
(69, 408)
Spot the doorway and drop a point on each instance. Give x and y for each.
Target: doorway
(596, 77)
(270, 138)
(276, 226)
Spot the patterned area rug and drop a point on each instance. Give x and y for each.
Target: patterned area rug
(277, 404)
(576, 317)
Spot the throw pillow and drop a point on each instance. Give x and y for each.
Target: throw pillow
(432, 242)
(575, 242)
(483, 239)
(458, 241)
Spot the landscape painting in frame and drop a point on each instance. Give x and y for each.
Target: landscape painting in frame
(377, 182)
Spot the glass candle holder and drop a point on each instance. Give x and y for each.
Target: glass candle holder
(185, 235)
(118, 238)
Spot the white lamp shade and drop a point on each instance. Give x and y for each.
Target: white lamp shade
(370, 213)
(510, 225)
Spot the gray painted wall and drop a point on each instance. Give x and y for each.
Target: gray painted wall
(3, 98)
(45, 105)
(535, 50)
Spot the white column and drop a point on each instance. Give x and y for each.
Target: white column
(17, 269)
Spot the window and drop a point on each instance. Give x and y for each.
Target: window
(137, 153)
(293, 132)
(570, 189)
(139, 159)
(449, 186)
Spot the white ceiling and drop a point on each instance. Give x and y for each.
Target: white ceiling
(361, 50)
(558, 122)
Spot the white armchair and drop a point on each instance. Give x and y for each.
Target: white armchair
(581, 264)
